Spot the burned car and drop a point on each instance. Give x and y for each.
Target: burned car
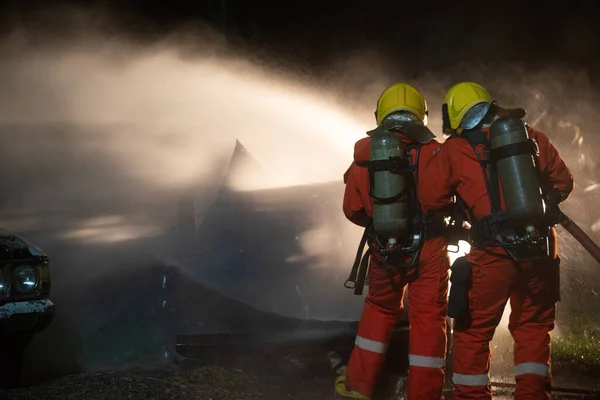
(283, 252)
(25, 308)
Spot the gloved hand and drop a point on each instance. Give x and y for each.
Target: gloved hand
(552, 198)
(554, 195)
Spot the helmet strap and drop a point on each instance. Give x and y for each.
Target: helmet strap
(446, 128)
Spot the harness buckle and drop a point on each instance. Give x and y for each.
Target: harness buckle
(533, 235)
(391, 247)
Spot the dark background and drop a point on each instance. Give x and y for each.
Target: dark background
(426, 35)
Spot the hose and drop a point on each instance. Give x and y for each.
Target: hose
(581, 237)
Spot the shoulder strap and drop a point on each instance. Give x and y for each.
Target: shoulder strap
(415, 205)
(474, 138)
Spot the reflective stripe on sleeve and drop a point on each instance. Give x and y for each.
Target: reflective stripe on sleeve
(370, 345)
(532, 368)
(424, 361)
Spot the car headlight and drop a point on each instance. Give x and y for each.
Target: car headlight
(25, 278)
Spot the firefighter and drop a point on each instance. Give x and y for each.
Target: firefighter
(509, 178)
(422, 264)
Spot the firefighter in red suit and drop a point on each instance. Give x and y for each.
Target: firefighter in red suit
(401, 110)
(502, 171)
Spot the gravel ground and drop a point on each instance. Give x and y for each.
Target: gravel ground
(208, 382)
(286, 379)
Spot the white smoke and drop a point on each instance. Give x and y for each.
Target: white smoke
(167, 119)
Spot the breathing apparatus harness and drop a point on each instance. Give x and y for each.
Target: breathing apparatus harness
(421, 226)
(497, 228)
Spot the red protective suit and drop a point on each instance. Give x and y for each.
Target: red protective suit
(427, 296)
(531, 287)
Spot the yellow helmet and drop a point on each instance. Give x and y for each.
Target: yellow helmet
(465, 105)
(401, 97)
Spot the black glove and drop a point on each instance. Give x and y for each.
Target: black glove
(552, 198)
(554, 195)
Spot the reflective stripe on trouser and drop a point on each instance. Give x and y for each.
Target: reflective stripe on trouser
(427, 306)
(470, 380)
(377, 324)
(426, 362)
(494, 281)
(427, 310)
(371, 345)
(532, 368)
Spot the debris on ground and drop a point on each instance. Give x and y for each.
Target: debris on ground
(206, 382)
(290, 378)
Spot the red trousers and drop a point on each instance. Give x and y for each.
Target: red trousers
(427, 306)
(533, 292)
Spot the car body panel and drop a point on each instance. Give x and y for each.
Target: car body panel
(285, 250)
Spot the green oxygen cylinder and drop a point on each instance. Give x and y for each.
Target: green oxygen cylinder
(389, 218)
(517, 172)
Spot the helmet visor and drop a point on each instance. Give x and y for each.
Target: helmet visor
(475, 115)
(401, 116)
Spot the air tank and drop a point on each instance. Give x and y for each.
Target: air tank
(519, 177)
(390, 220)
